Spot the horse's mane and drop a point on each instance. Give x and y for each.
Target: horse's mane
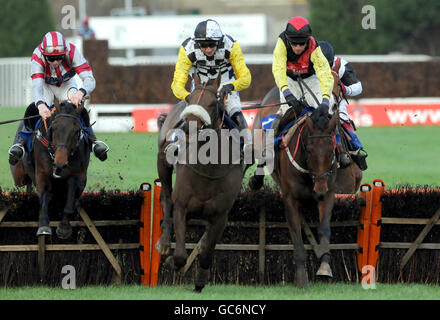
(65, 107)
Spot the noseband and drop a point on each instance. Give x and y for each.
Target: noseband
(315, 176)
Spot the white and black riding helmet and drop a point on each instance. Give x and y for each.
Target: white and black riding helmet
(208, 31)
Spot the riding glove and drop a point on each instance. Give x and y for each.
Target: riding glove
(225, 91)
(290, 99)
(44, 111)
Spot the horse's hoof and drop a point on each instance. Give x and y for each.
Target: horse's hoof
(325, 270)
(44, 230)
(198, 289)
(64, 231)
(163, 248)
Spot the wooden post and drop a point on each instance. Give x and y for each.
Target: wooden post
(104, 247)
(262, 246)
(193, 254)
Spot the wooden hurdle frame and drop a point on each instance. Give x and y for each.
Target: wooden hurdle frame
(151, 214)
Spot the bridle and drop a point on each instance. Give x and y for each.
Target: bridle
(333, 166)
(47, 142)
(300, 141)
(203, 88)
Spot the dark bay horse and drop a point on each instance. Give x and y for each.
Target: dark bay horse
(57, 165)
(308, 173)
(206, 189)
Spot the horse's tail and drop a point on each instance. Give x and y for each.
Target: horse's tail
(257, 180)
(161, 119)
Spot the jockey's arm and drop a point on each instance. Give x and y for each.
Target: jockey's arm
(323, 72)
(181, 72)
(241, 71)
(37, 75)
(279, 63)
(84, 71)
(352, 84)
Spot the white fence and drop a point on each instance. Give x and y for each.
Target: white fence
(15, 82)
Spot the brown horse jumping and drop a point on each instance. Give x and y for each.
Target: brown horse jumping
(207, 189)
(307, 170)
(57, 165)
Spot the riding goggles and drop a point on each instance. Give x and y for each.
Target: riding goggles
(54, 58)
(294, 44)
(206, 44)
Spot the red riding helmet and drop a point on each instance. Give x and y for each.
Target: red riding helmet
(298, 30)
(53, 44)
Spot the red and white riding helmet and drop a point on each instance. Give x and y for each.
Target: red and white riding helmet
(53, 44)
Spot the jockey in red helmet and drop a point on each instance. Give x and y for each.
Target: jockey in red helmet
(297, 54)
(54, 64)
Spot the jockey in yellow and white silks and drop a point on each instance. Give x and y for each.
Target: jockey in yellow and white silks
(209, 53)
(297, 54)
(54, 63)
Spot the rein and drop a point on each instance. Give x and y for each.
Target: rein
(297, 166)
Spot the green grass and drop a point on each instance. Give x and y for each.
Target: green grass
(397, 155)
(316, 291)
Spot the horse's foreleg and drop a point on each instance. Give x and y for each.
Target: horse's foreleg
(64, 229)
(293, 217)
(325, 211)
(44, 228)
(163, 245)
(213, 233)
(180, 255)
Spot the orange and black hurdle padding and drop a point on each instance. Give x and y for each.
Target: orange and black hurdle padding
(376, 221)
(364, 226)
(145, 234)
(157, 232)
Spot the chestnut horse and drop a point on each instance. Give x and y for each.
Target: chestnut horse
(307, 170)
(57, 164)
(205, 189)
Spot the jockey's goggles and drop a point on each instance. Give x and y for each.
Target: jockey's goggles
(51, 49)
(206, 44)
(54, 58)
(294, 43)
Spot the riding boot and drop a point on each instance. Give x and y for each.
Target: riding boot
(240, 121)
(99, 148)
(359, 156)
(16, 153)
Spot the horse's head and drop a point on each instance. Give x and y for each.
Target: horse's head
(319, 143)
(65, 133)
(203, 105)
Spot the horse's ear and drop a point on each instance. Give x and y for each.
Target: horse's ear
(309, 122)
(332, 123)
(196, 78)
